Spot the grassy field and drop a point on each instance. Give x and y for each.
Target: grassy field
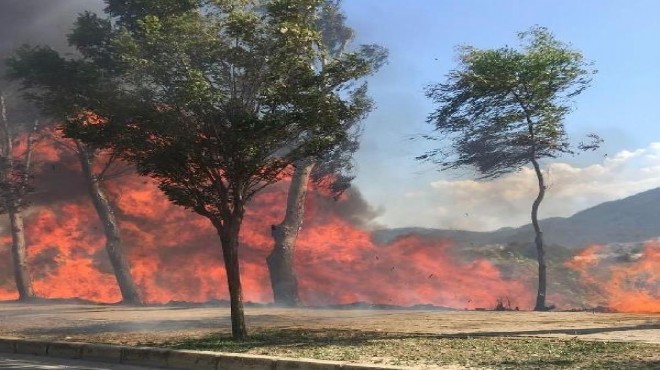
(428, 351)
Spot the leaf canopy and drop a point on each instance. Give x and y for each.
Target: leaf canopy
(503, 108)
(213, 98)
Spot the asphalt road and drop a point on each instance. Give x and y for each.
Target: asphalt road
(11, 361)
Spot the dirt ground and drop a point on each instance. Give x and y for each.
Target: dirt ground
(131, 325)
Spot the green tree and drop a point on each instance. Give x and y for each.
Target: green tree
(212, 98)
(503, 109)
(331, 170)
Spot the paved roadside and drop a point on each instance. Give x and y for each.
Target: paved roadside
(159, 358)
(13, 361)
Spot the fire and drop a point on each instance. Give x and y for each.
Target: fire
(89, 118)
(626, 286)
(175, 254)
(7, 291)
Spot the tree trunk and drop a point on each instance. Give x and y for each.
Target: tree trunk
(121, 267)
(19, 256)
(280, 261)
(18, 248)
(229, 233)
(540, 252)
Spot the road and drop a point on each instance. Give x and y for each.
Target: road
(11, 361)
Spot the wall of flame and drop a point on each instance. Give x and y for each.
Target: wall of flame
(175, 254)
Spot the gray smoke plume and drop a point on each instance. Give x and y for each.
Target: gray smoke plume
(39, 22)
(34, 22)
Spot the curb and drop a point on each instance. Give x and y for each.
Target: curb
(170, 358)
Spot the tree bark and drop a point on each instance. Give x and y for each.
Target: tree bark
(538, 240)
(121, 267)
(540, 252)
(18, 248)
(280, 261)
(19, 256)
(229, 232)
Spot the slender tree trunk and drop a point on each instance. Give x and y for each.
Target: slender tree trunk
(229, 233)
(19, 256)
(18, 248)
(540, 252)
(121, 267)
(280, 261)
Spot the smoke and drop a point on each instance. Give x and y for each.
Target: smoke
(34, 22)
(42, 22)
(57, 182)
(487, 205)
(357, 211)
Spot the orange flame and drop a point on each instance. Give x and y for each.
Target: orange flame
(175, 254)
(89, 118)
(626, 286)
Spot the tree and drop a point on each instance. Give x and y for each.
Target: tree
(98, 166)
(331, 170)
(52, 83)
(88, 155)
(15, 186)
(504, 109)
(213, 99)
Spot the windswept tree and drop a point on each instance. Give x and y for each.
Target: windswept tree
(503, 109)
(213, 99)
(331, 170)
(15, 186)
(52, 83)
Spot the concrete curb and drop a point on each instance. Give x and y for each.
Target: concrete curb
(171, 359)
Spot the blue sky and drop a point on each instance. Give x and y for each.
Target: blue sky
(620, 37)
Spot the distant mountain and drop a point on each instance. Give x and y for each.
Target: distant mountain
(632, 219)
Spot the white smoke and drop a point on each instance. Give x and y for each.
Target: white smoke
(487, 205)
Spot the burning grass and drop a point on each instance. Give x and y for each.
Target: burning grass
(421, 350)
(175, 255)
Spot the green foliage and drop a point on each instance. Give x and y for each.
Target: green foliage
(503, 108)
(130, 12)
(93, 37)
(214, 99)
(61, 88)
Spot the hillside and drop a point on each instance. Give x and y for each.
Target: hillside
(632, 219)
